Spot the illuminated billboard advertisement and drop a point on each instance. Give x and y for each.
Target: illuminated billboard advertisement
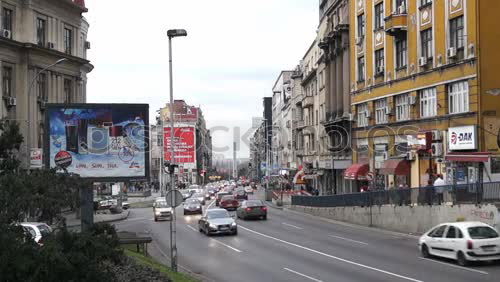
(184, 145)
(98, 140)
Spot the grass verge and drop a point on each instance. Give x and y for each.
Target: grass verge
(139, 258)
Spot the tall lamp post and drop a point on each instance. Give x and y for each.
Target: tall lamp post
(173, 245)
(28, 109)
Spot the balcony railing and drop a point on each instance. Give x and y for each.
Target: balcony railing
(308, 101)
(396, 23)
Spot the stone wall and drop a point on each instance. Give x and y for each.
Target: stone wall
(407, 219)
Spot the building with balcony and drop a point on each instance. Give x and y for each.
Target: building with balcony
(34, 35)
(424, 92)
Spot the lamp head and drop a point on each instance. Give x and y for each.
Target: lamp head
(176, 33)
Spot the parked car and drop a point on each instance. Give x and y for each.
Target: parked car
(200, 197)
(217, 221)
(461, 241)
(125, 205)
(229, 202)
(37, 230)
(192, 206)
(219, 197)
(162, 210)
(252, 209)
(240, 194)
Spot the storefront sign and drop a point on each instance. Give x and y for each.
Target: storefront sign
(462, 138)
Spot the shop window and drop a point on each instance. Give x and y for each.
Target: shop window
(495, 165)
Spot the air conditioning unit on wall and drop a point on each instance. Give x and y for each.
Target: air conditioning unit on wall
(11, 101)
(437, 149)
(6, 33)
(422, 61)
(451, 52)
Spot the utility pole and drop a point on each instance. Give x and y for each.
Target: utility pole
(235, 172)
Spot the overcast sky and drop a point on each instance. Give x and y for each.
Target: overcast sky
(232, 56)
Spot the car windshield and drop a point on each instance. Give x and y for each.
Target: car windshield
(254, 203)
(482, 232)
(220, 195)
(192, 201)
(44, 229)
(217, 214)
(227, 198)
(162, 204)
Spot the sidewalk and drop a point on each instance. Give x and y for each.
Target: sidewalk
(153, 196)
(72, 221)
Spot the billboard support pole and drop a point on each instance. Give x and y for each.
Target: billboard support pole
(173, 243)
(87, 207)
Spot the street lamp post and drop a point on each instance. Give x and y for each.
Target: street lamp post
(173, 246)
(28, 109)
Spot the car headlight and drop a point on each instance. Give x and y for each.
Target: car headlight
(157, 213)
(198, 207)
(213, 226)
(233, 224)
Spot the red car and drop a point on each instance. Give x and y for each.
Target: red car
(229, 202)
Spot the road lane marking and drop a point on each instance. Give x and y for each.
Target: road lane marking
(217, 241)
(211, 204)
(303, 275)
(296, 227)
(347, 239)
(455, 266)
(330, 256)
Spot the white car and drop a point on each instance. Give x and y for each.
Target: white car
(37, 230)
(162, 210)
(461, 241)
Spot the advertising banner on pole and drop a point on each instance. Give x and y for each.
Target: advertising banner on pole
(184, 145)
(36, 158)
(99, 141)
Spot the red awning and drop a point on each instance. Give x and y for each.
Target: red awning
(395, 167)
(357, 171)
(468, 157)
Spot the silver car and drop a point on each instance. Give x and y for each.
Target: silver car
(217, 221)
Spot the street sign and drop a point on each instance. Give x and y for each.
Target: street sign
(177, 199)
(370, 176)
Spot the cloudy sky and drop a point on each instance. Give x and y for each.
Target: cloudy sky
(234, 52)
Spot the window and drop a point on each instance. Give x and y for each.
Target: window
(425, 2)
(426, 41)
(402, 107)
(400, 53)
(362, 112)
(7, 81)
(457, 32)
(401, 3)
(41, 31)
(361, 25)
(428, 103)
(361, 69)
(68, 40)
(42, 86)
(380, 111)
(438, 232)
(495, 165)
(379, 61)
(7, 20)
(452, 233)
(379, 15)
(458, 94)
(482, 232)
(68, 89)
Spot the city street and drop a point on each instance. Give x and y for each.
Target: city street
(293, 247)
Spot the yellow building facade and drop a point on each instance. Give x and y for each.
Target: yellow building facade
(425, 90)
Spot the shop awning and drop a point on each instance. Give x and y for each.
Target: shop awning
(357, 171)
(395, 167)
(468, 157)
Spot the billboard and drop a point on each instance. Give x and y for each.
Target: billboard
(462, 138)
(101, 141)
(184, 144)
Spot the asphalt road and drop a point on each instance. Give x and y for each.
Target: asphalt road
(294, 247)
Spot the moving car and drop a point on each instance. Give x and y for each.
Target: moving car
(240, 194)
(200, 197)
(461, 241)
(162, 210)
(37, 230)
(217, 221)
(252, 209)
(219, 197)
(192, 206)
(186, 194)
(229, 202)
(249, 190)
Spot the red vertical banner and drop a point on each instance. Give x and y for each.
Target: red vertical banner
(184, 147)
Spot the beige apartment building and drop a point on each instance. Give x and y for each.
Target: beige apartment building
(35, 34)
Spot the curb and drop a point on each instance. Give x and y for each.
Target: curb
(389, 232)
(105, 221)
